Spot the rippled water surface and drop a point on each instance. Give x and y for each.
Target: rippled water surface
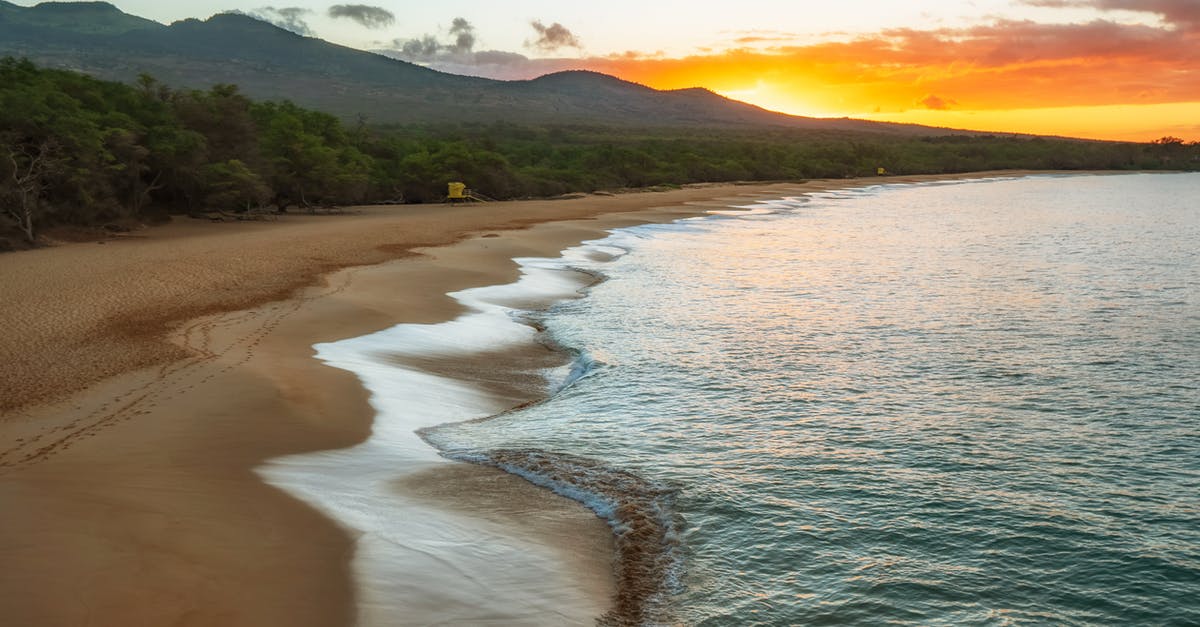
(971, 403)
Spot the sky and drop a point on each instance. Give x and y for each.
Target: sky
(1105, 69)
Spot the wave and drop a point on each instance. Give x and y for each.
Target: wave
(648, 562)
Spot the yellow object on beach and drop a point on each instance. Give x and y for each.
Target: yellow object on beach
(458, 192)
(881, 171)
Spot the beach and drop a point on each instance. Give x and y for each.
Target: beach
(145, 378)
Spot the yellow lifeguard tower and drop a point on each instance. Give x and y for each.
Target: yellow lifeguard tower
(881, 171)
(458, 192)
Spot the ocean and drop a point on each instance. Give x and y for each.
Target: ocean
(931, 404)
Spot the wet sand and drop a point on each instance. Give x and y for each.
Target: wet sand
(143, 380)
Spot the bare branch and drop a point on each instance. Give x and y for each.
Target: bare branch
(29, 181)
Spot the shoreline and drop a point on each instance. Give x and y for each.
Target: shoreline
(136, 496)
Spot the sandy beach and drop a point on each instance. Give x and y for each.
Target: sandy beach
(145, 378)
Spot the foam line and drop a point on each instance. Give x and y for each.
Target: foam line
(410, 554)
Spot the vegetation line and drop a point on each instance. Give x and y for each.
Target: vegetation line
(75, 150)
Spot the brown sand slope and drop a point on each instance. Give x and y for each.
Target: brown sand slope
(80, 313)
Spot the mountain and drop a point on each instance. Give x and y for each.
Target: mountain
(271, 63)
(87, 18)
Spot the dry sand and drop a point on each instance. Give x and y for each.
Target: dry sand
(143, 379)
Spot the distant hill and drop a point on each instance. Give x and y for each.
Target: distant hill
(272, 63)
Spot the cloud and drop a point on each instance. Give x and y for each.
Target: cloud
(496, 64)
(936, 103)
(1182, 13)
(454, 52)
(761, 39)
(553, 37)
(762, 36)
(996, 65)
(1003, 64)
(500, 58)
(464, 36)
(428, 48)
(421, 49)
(366, 15)
(287, 18)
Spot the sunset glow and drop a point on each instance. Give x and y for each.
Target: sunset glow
(1099, 79)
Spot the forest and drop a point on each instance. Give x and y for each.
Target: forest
(79, 151)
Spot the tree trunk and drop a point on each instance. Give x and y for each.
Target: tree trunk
(29, 183)
(27, 216)
(141, 195)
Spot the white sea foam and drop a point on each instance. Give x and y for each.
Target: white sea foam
(411, 556)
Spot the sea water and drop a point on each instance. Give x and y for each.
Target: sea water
(956, 403)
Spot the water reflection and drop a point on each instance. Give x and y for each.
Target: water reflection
(969, 403)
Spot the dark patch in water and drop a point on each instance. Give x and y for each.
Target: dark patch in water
(639, 511)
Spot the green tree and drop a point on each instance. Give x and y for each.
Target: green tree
(231, 184)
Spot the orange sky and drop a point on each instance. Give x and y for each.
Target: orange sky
(1100, 79)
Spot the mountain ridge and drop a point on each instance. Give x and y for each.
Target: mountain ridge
(79, 17)
(269, 62)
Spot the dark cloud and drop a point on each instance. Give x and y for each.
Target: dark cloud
(1181, 13)
(366, 15)
(1009, 42)
(937, 103)
(421, 49)
(464, 36)
(454, 52)
(428, 48)
(553, 37)
(287, 18)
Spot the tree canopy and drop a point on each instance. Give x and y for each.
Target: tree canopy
(77, 150)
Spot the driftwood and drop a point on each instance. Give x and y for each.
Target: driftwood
(211, 216)
(325, 210)
(258, 214)
(269, 212)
